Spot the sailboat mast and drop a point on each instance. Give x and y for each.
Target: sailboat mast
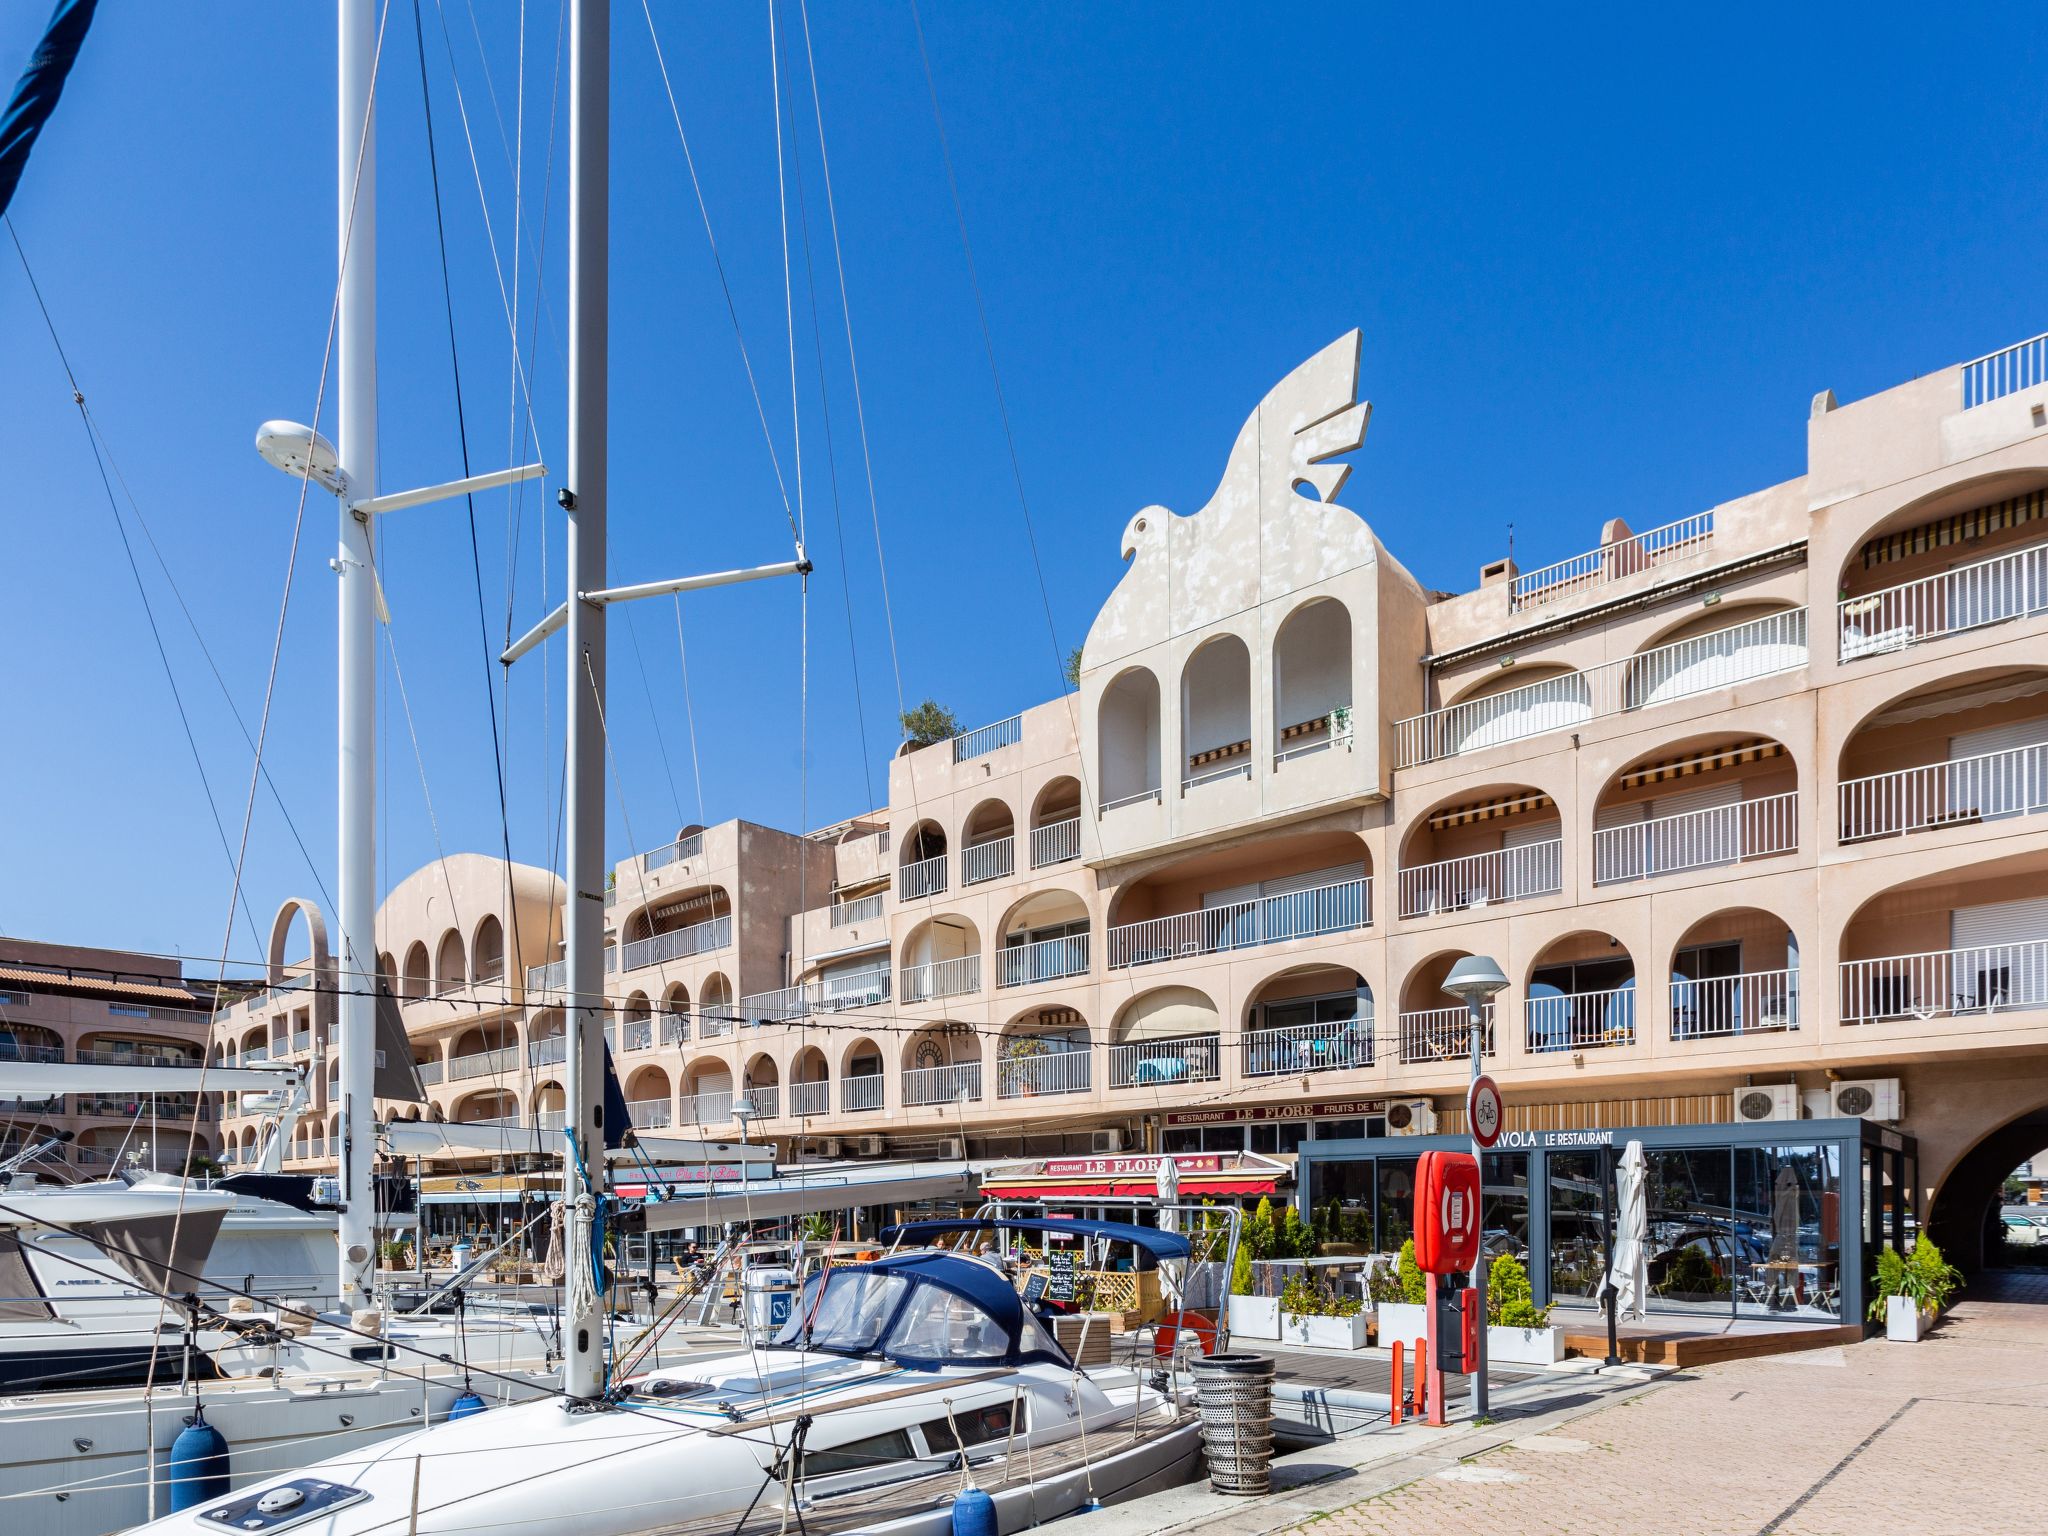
(583, 497)
(356, 445)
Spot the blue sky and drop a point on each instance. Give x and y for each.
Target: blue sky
(1601, 264)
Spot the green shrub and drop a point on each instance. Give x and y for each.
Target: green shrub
(1414, 1286)
(1241, 1273)
(1383, 1283)
(1510, 1303)
(1259, 1233)
(1691, 1273)
(1296, 1241)
(1938, 1279)
(1308, 1298)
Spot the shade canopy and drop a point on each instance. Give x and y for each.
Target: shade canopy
(1161, 1245)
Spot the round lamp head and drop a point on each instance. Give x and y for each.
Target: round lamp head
(301, 452)
(1475, 978)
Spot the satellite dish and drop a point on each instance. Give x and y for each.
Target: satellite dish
(301, 452)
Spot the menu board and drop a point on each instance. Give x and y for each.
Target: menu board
(1062, 1285)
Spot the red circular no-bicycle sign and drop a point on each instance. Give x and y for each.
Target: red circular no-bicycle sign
(1483, 1110)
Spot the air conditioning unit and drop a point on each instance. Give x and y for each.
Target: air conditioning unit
(951, 1151)
(1767, 1101)
(867, 1146)
(1106, 1141)
(1411, 1117)
(828, 1146)
(1870, 1098)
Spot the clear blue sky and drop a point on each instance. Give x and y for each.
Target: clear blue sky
(1601, 264)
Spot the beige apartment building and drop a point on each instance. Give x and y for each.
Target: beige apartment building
(1751, 807)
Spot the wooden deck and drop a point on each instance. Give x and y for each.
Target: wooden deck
(1681, 1342)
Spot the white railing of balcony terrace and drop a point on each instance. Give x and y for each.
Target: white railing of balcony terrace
(431, 1072)
(861, 909)
(302, 1041)
(255, 1053)
(636, 1035)
(926, 877)
(1216, 775)
(1294, 1048)
(716, 1020)
(547, 978)
(1479, 879)
(542, 1052)
(810, 1098)
(483, 1063)
(1123, 800)
(677, 943)
(549, 1119)
(98, 1054)
(1305, 914)
(1019, 965)
(1166, 1063)
(763, 1103)
(677, 852)
(1720, 834)
(1581, 1021)
(704, 1108)
(860, 1091)
(675, 1029)
(2023, 365)
(1946, 983)
(12, 1051)
(1611, 562)
(1056, 842)
(1987, 787)
(2013, 585)
(1053, 1071)
(942, 1085)
(1752, 1003)
(1719, 659)
(1443, 1034)
(988, 861)
(941, 978)
(849, 989)
(778, 1007)
(648, 1114)
(986, 739)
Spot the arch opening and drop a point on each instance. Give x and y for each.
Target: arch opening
(1312, 680)
(1580, 995)
(1697, 803)
(1310, 1018)
(1127, 740)
(1503, 842)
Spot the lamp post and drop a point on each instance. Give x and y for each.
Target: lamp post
(1475, 979)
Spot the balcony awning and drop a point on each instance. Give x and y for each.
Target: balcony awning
(1944, 531)
(1486, 810)
(1753, 751)
(36, 979)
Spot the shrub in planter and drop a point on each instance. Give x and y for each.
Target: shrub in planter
(1414, 1284)
(1911, 1290)
(1518, 1331)
(1320, 1315)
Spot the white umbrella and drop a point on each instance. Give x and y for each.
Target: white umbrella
(1168, 1182)
(1628, 1267)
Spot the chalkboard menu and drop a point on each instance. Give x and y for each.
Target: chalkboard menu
(1034, 1290)
(1062, 1287)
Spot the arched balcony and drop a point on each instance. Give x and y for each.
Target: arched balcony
(1965, 945)
(692, 922)
(1044, 938)
(717, 1011)
(921, 862)
(1056, 823)
(1312, 680)
(1503, 842)
(636, 1024)
(1127, 740)
(941, 958)
(451, 965)
(417, 980)
(810, 1086)
(487, 953)
(1311, 1018)
(1165, 1039)
(487, 1104)
(942, 1065)
(1581, 995)
(1735, 973)
(1699, 803)
(990, 850)
(1216, 713)
(1044, 1052)
(707, 1094)
(1435, 1027)
(647, 1099)
(862, 1077)
(547, 1040)
(485, 1050)
(1956, 753)
(674, 1023)
(1270, 892)
(762, 1095)
(30, 1042)
(550, 1106)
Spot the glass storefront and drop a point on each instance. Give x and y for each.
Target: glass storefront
(1578, 1191)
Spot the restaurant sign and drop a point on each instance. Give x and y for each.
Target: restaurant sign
(1241, 1114)
(1127, 1167)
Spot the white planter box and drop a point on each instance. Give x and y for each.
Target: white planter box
(1402, 1322)
(1524, 1346)
(1255, 1317)
(1904, 1322)
(1324, 1332)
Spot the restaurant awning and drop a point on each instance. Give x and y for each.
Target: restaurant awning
(1136, 1177)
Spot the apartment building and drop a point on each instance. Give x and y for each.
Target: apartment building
(1751, 806)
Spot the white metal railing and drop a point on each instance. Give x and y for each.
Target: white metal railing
(704, 1108)
(942, 1085)
(1056, 842)
(543, 1052)
(1322, 909)
(483, 1063)
(18, 1052)
(675, 1029)
(1965, 789)
(2013, 585)
(550, 1119)
(1123, 800)
(1166, 1063)
(255, 1053)
(1719, 659)
(677, 943)
(716, 1020)
(1755, 1002)
(810, 1098)
(636, 1035)
(1581, 1021)
(1295, 1048)
(648, 1114)
(99, 1054)
(987, 861)
(1721, 834)
(849, 989)
(1946, 983)
(430, 1072)
(677, 852)
(859, 910)
(2020, 366)
(551, 977)
(763, 1103)
(1053, 1071)
(986, 739)
(860, 1091)
(1233, 771)
(1019, 965)
(777, 1007)
(1443, 1034)
(302, 1041)
(1479, 879)
(925, 877)
(941, 978)
(1611, 562)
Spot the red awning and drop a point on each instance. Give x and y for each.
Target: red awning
(1127, 1187)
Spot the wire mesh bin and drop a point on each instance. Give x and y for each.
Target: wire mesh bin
(1235, 1395)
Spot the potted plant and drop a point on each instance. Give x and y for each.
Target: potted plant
(1251, 1316)
(1400, 1295)
(1022, 1078)
(1911, 1290)
(1318, 1316)
(1518, 1332)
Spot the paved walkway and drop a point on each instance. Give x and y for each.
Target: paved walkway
(1940, 1436)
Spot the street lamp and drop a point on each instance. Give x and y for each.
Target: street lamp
(1475, 979)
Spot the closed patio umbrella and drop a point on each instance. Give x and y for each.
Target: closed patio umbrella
(1628, 1276)
(1168, 1183)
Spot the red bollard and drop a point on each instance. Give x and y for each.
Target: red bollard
(1394, 1388)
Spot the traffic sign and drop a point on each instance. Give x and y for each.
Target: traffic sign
(1484, 1112)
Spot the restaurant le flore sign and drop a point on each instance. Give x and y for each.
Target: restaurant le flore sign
(1246, 1114)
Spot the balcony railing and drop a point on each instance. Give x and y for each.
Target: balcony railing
(1215, 776)
(1964, 790)
(1049, 1072)
(1721, 834)
(1946, 983)
(677, 852)
(431, 1072)
(551, 977)
(1479, 879)
(941, 978)
(648, 1114)
(861, 909)
(483, 1064)
(942, 1085)
(302, 1042)
(777, 1007)
(675, 1029)
(986, 739)
(1443, 1034)
(636, 1035)
(1295, 1048)
(1121, 801)
(543, 1052)
(704, 1108)
(1056, 842)
(810, 1098)
(1166, 1063)
(1753, 1003)
(1757, 648)
(1322, 909)
(2013, 585)
(763, 1103)
(255, 1053)
(1019, 965)
(2008, 371)
(14, 1051)
(1611, 562)
(991, 860)
(716, 1020)
(860, 1091)
(926, 877)
(677, 943)
(98, 1054)
(1581, 1021)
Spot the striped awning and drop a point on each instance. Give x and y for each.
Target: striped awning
(1487, 810)
(1944, 531)
(1740, 752)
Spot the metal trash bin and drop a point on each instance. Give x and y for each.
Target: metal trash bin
(1235, 1397)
